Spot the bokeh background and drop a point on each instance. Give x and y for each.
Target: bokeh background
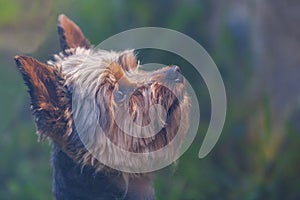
(256, 46)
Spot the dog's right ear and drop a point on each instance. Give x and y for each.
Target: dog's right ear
(49, 97)
(70, 35)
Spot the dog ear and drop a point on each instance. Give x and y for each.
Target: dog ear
(128, 60)
(70, 35)
(49, 97)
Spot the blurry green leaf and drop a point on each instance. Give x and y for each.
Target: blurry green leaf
(9, 11)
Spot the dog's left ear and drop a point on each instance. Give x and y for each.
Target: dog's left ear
(49, 97)
(70, 35)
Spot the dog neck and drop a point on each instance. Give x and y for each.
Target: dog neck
(72, 181)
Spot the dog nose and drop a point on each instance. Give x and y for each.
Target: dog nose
(176, 68)
(174, 74)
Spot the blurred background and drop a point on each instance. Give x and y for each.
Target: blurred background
(256, 46)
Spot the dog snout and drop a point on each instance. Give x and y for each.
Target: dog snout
(174, 74)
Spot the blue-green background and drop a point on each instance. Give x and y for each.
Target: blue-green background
(257, 156)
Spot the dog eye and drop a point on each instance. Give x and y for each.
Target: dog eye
(120, 96)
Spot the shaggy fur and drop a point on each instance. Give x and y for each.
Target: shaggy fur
(81, 92)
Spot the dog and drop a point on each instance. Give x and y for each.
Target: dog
(86, 101)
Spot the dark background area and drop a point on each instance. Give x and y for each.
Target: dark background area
(255, 45)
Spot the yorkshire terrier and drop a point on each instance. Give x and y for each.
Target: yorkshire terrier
(87, 100)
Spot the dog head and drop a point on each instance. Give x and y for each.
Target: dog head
(87, 100)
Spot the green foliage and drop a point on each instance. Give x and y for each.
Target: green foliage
(10, 11)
